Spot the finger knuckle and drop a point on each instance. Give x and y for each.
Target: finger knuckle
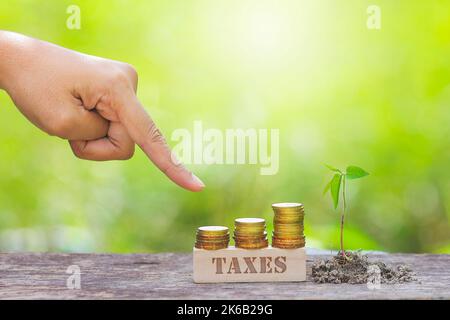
(118, 77)
(155, 134)
(131, 71)
(127, 152)
(61, 125)
(77, 150)
(78, 154)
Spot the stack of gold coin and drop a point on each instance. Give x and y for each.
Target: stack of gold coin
(250, 233)
(288, 225)
(212, 238)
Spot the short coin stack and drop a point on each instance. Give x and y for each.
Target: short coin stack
(250, 233)
(288, 225)
(212, 238)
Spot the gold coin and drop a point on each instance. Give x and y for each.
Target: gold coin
(287, 205)
(252, 247)
(255, 241)
(257, 245)
(250, 227)
(212, 239)
(250, 238)
(293, 215)
(249, 241)
(277, 243)
(212, 230)
(213, 242)
(288, 226)
(284, 246)
(288, 210)
(288, 244)
(207, 237)
(287, 233)
(211, 247)
(293, 221)
(289, 217)
(249, 235)
(285, 242)
(281, 242)
(249, 221)
(212, 235)
(288, 240)
(289, 236)
(296, 223)
(210, 243)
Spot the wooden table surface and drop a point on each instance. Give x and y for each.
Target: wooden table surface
(169, 276)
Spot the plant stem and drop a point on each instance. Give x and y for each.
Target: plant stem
(343, 216)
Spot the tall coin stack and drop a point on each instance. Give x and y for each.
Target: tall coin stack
(212, 238)
(288, 225)
(250, 233)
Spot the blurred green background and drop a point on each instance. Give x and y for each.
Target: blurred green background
(339, 93)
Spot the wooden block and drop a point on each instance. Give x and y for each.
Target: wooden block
(242, 265)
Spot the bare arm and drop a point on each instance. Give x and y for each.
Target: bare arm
(87, 100)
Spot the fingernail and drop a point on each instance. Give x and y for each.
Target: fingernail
(198, 181)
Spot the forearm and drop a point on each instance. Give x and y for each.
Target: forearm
(14, 49)
(5, 57)
(87, 100)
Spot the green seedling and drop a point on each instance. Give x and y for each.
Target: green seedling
(337, 186)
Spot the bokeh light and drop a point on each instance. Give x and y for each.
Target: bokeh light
(339, 93)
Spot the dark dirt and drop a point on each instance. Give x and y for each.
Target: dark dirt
(357, 269)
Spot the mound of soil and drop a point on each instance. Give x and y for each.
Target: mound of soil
(356, 269)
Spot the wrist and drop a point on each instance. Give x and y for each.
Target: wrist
(4, 57)
(12, 47)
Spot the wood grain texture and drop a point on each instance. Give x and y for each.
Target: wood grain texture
(169, 276)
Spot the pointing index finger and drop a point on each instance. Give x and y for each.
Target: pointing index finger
(148, 137)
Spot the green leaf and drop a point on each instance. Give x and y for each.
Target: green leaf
(333, 168)
(354, 172)
(327, 187)
(335, 188)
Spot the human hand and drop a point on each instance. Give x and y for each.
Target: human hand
(87, 100)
